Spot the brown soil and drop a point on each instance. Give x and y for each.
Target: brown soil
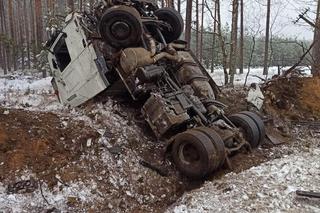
(294, 98)
(42, 144)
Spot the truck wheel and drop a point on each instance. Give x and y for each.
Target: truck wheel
(248, 127)
(259, 122)
(121, 26)
(217, 143)
(174, 19)
(194, 154)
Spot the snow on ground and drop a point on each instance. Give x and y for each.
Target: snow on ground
(57, 198)
(29, 92)
(269, 187)
(255, 75)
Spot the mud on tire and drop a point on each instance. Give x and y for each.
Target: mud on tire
(194, 154)
(248, 127)
(259, 122)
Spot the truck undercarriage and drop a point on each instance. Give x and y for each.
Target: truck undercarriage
(133, 47)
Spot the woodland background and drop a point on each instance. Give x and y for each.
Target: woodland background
(24, 25)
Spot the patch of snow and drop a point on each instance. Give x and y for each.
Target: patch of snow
(255, 75)
(269, 187)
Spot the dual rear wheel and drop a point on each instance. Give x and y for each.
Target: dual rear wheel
(200, 151)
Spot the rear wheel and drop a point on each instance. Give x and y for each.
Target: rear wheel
(121, 26)
(259, 122)
(248, 127)
(217, 143)
(194, 154)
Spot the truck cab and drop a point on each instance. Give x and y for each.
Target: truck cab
(78, 69)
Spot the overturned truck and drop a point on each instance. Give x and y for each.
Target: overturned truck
(133, 47)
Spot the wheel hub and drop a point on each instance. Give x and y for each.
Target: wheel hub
(120, 30)
(189, 154)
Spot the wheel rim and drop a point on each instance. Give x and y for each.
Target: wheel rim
(189, 154)
(120, 30)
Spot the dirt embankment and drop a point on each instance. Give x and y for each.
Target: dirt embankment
(295, 98)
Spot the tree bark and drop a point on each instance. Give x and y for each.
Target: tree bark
(12, 34)
(234, 38)
(266, 48)
(201, 33)
(316, 49)
(222, 44)
(214, 37)
(27, 33)
(197, 28)
(39, 25)
(70, 5)
(188, 22)
(241, 37)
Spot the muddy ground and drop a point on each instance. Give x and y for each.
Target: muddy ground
(94, 158)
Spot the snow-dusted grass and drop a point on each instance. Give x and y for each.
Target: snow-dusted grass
(255, 75)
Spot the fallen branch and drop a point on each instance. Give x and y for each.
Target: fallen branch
(44, 198)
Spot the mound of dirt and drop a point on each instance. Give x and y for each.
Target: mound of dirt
(294, 98)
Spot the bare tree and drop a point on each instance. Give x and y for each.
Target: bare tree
(201, 33)
(214, 37)
(266, 49)
(188, 22)
(316, 50)
(241, 37)
(234, 38)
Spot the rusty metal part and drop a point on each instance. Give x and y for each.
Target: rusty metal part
(133, 58)
(194, 154)
(162, 115)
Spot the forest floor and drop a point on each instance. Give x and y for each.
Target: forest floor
(93, 159)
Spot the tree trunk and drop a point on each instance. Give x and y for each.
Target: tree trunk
(80, 5)
(12, 34)
(214, 37)
(222, 44)
(266, 48)
(201, 33)
(22, 33)
(39, 26)
(241, 38)
(27, 33)
(188, 22)
(3, 62)
(316, 49)
(70, 5)
(197, 28)
(234, 38)
(179, 6)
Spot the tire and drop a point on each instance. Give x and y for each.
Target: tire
(121, 26)
(193, 154)
(217, 143)
(174, 19)
(248, 127)
(259, 122)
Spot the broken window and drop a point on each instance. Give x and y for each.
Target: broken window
(62, 54)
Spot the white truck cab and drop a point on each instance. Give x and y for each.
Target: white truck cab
(77, 68)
